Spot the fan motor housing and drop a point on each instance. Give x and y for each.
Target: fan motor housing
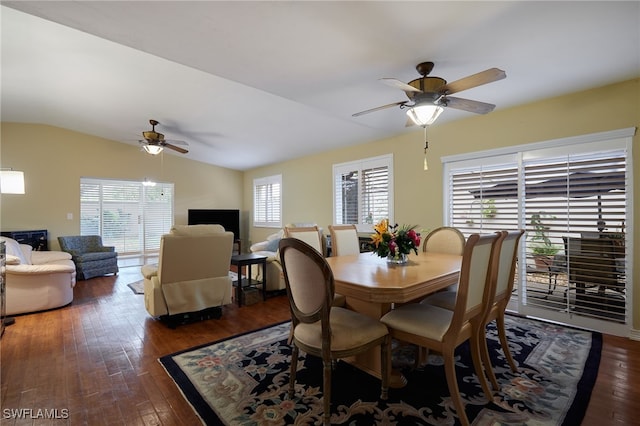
(428, 85)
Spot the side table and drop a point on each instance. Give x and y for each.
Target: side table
(246, 260)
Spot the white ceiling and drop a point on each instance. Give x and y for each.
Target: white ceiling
(253, 83)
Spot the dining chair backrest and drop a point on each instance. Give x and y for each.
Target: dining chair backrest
(308, 279)
(507, 264)
(309, 234)
(344, 240)
(445, 239)
(477, 276)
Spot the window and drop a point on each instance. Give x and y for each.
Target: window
(128, 215)
(267, 202)
(565, 194)
(363, 192)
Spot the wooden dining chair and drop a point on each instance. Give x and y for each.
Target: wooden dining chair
(444, 239)
(498, 299)
(323, 330)
(309, 234)
(443, 330)
(312, 235)
(344, 240)
(504, 287)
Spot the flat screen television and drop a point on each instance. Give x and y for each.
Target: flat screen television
(230, 219)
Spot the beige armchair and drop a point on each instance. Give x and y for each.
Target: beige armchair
(191, 279)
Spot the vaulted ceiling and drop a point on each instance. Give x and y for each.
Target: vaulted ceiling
(252, 83)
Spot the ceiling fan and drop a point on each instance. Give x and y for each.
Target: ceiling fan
(154, 142)
(428, 96)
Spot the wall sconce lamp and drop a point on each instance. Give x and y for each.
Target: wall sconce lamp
(11, 181)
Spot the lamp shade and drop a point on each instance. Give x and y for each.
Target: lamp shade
(11, 182)
(153, 149)
(424, 114)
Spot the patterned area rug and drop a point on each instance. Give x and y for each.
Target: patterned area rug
(244, 380)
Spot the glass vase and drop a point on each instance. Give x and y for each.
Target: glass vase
(397, 259)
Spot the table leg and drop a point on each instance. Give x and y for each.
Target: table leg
(264, 280)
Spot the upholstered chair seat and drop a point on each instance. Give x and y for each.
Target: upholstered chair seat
(321, 329)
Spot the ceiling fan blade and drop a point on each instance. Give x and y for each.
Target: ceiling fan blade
(484, 77)
(357, 114)
(468, 105)
(175, 148)
(174, 142)
(399, 85)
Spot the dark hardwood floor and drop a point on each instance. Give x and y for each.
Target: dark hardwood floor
(97, 360)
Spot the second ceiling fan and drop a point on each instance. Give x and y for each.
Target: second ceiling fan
(428, 96)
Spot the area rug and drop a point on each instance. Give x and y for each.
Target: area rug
(138, 286)
(243, 380)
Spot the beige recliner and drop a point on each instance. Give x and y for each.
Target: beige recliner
(191, 279)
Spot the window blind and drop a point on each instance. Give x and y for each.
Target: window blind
(572, 198)
(363, 192)
(128, 215)
(267, 201)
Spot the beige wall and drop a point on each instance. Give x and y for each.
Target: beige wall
(54, 159)
(418, 194)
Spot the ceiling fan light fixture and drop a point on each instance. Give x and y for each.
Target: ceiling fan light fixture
(424, 114)
(153, 149)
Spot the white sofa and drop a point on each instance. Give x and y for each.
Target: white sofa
(192, 274)
(269, 248)
(37, 280)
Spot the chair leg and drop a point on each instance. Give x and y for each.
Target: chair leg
(486, 359)
(452, 382)
(476, 356)
(294, 368)
(503, 341)
(326, 384)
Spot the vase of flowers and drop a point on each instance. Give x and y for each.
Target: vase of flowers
(394, 242)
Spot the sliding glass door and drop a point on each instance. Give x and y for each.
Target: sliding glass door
(127, 214)
(572, 199)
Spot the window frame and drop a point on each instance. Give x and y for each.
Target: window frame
(144, 206)
(272, 207)
(359, 166)
(577, 150)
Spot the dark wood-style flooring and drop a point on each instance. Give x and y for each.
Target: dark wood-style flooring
(98, 359)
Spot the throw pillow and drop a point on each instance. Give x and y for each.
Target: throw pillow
(272, 245)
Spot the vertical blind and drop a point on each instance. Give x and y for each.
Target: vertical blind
(128, 215)
(572, 203)
(267, 201)
(363, 191)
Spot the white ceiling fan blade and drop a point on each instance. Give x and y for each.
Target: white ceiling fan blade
(483, 77)
(468, 105)
(399, 85)
(357, 114)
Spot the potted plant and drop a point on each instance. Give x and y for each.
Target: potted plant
(542, 248)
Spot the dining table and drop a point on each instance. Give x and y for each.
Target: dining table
(373, 287)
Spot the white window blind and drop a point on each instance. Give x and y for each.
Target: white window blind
(127, 215)
(572, 198)
(363, 191)
(267, 202)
